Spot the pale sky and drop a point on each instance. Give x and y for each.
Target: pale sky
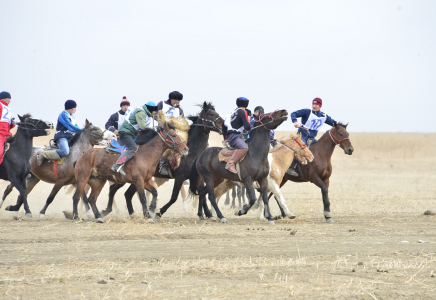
(372, 62)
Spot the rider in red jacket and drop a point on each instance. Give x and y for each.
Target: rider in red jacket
(6, 121)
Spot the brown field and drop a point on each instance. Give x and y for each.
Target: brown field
(381, 246)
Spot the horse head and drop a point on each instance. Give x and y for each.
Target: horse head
(168, 134)
(303, 155)
(341, 137)
(35, 127)
(210, 118)
(271, 120)
(94, 133)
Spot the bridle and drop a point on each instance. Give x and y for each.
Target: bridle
(268, 115)
(98, 137)
(171, 143)
(335, 140)
(209, 126)
(299, 144)
(35, 126)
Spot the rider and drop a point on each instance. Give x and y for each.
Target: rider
(235, 124)
(140, 119)
(257, 109)
(312, 120)
(116, 120)
(170, 107)
(6, 121)
(66, 128)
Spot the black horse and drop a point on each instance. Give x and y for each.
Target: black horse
(207, 120)
(15, 166)
(207, 169)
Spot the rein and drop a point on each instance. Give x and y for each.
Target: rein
(296, 152)
(335, 138)
(99, 137)
(208, 126)
(263, 124)
(170, 143)
(35, 126)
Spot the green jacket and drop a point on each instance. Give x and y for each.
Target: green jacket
(140, 118)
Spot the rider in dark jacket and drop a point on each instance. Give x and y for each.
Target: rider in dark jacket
(116, 120)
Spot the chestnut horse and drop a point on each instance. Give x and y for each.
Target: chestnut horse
(207, 169)
(320, 170)
(94, 166)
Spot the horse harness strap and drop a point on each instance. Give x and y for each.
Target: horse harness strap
(170, 143)
(208, 126)
(335, 138)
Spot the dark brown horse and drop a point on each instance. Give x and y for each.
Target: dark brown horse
(64, 173)
(208, 172)
(94, 166)
(320, 170)
(206, 121)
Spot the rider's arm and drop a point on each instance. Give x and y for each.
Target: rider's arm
(65, 120)
(110, 124)
(305, 112)
(141, 118)
(329, 121)
(224, 128)
(243, 117)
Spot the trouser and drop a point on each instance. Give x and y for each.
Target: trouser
(237, 141)
(2, 149)
(64, 148)
(130, 150)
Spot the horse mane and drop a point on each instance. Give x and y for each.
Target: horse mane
(75, 138)
(341, 124)
(27, 116)
(146, 135)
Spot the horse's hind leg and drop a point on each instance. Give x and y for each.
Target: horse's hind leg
(20, 185)
(324, 186)
(140, 188)
(128, 194)
(31, 182)
(178, 184)
(96, 187)
(7, 191)
(112, 190)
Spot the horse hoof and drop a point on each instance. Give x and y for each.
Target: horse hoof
(223, 220)
(158, 215)
(329, 220)
(291, 216)
(28, 215)
(150, 220)
(100, 220)
(69, 215)
(104, 213)
(41, 216)
(9, 208)
(271, 223)
(212, 218)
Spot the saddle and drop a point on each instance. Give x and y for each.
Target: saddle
(53, 146)
(226, 153)
(114, 147)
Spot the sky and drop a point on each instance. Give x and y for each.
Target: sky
(372, 62)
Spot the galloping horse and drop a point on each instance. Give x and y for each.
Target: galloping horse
(207, 120)
(207, 169)
(320, 170)
(62, 174)
(94, 166)
(15, 166)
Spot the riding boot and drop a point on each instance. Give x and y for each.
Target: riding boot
(237, 155)
(291, 171)
(124, 158)
(47, 154)
(163, 166)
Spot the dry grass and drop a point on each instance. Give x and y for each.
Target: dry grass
(381, 246)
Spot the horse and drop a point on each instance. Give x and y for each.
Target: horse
(63, 174)
(206, 121)
(15, 166)
(280, 158)
(320, 170)
(94, 166)
(209, 171)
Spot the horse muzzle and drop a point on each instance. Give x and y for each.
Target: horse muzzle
(185, 151)
(348, 151)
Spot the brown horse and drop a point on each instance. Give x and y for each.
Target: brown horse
(94, 166)
(320, 170)
(64, 173)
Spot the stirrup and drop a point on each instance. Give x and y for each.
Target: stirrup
(292, 172)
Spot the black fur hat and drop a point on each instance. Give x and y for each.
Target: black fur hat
(175, 95)
(242, 102)
(4, 95)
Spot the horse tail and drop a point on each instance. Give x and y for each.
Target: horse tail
(70, 188)
(193, 179)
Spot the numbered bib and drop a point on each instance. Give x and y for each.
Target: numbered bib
(314, 122)
(6, 114)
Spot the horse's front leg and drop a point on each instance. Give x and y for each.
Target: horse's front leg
(112, 191)
(324, 186)
(7, 191)
(139, 184)
(264, 192)
(275, 189)
(20, 185)
(251, 195)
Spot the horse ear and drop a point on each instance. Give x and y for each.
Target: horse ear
(335, 125)
(21, 118)
(87, 123)
(205, 106)
(346, 125)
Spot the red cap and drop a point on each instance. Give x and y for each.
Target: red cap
(317, 101)
(125, 101)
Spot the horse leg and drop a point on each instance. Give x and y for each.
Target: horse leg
(244, 191)
(112, 190)
(178, 183)
(97, 185)
(7, 191)
(211, 194)
(139, 184)
(31, 182)
(324, 186)
(234, 195)
(129, 193)
(183, 192)
(260, 207)
(50, 198)
(264, 192)
(227, 202)
(153, 191)
(275, 189)
(251, 195)
(20, 185)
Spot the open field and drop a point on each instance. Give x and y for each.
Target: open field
(381, 246)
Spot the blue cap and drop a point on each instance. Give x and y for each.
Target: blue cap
(150, 103)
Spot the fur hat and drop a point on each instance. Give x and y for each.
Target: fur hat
(175, 95)
(70, 104)
(4, 95)
(242, 102)
(125, 101)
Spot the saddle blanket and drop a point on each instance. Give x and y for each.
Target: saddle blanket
(114, 147)
(225, 154)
